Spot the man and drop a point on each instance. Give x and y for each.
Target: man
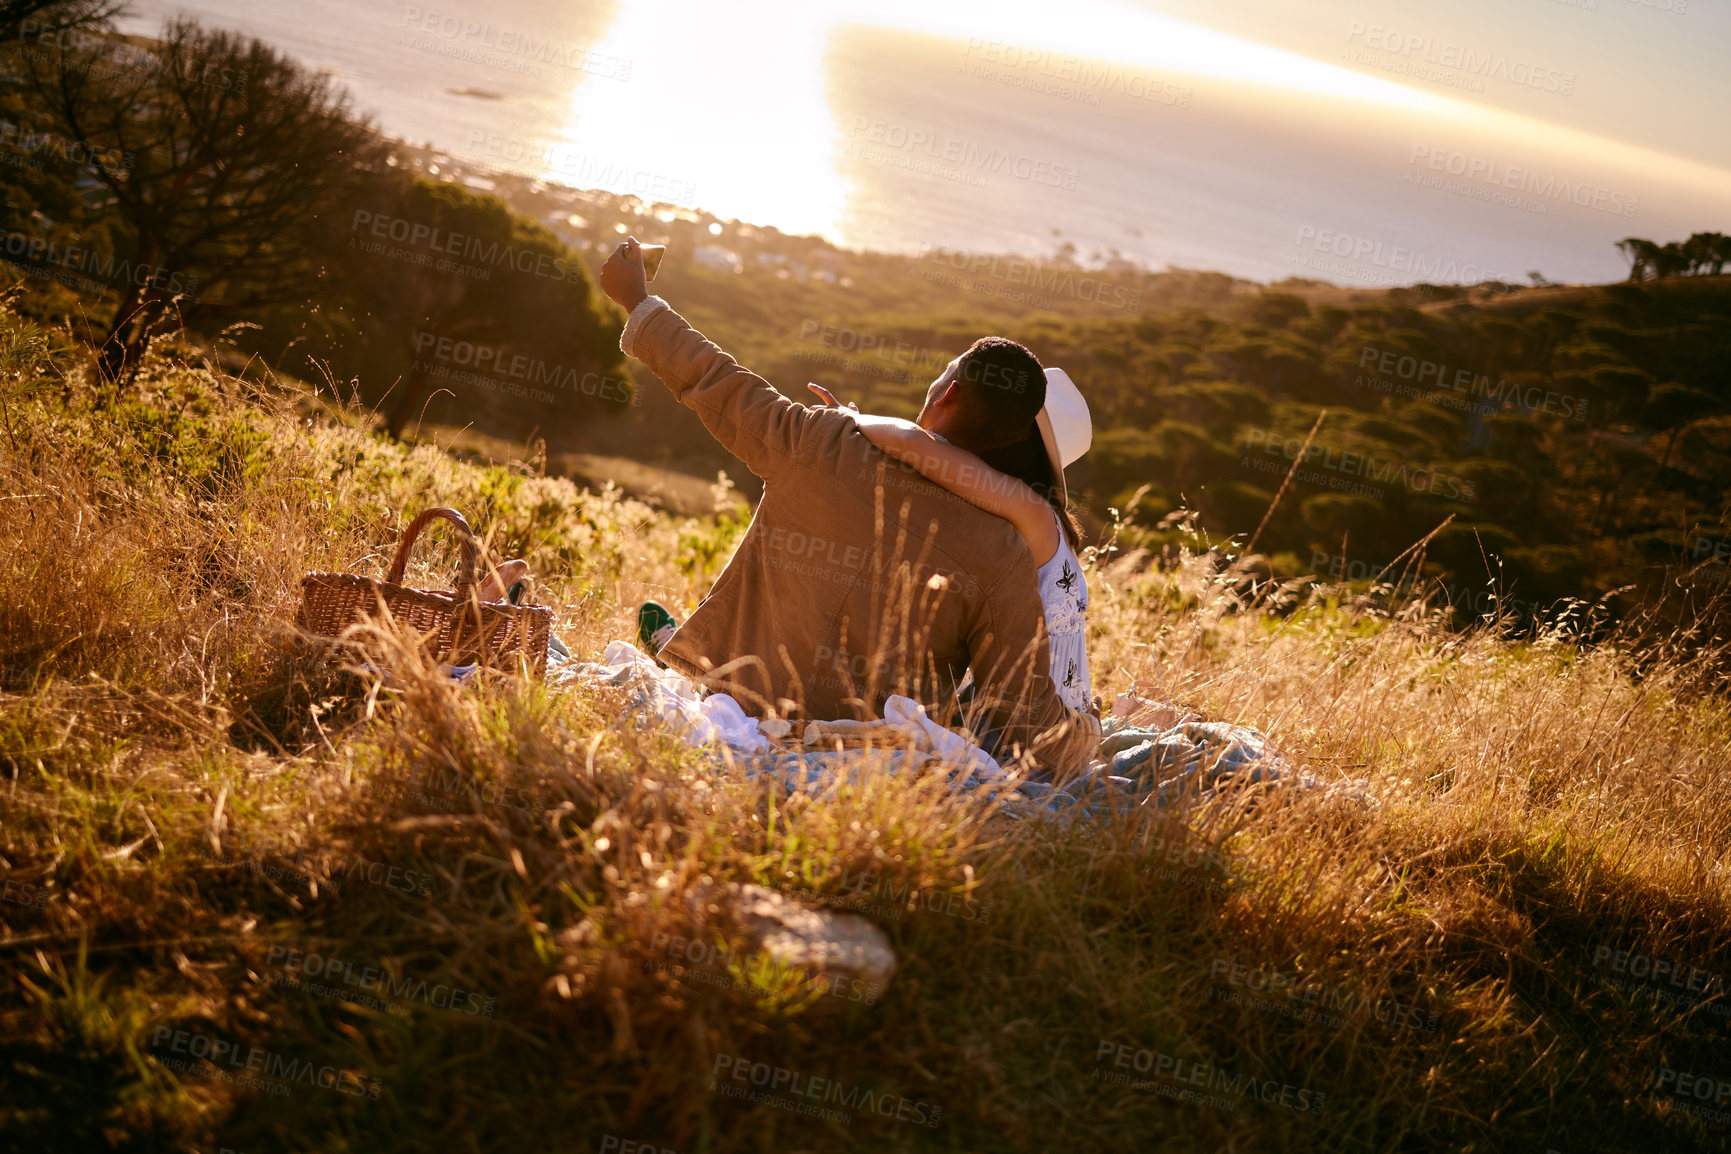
(859, 578)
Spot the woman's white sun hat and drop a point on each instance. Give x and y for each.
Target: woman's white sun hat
(1065, 425)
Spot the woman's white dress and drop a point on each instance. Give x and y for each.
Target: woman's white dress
(1064, 593)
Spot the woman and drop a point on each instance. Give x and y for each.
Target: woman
(1024, 484)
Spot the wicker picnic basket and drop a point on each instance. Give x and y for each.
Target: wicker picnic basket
(454, 626)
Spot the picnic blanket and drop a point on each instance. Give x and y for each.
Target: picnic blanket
(661, 696)
(1140, 761)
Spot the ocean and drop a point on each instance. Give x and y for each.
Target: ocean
(899, 139)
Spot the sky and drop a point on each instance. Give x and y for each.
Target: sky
(1627, 71)
(1237, 132)
(1649, 72)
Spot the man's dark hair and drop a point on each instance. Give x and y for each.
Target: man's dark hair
(999, 388)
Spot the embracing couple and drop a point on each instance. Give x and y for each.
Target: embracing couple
(933, 559)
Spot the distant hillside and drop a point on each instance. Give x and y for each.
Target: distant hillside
(1581, 435)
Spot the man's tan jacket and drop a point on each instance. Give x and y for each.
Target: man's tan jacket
(858, 577)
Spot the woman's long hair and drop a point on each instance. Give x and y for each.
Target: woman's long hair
(1026, 460)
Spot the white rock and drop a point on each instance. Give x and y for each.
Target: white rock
(817, 940)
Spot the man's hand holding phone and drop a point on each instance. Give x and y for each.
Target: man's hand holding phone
(624, 277)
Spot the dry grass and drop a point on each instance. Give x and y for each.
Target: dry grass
(193, 802)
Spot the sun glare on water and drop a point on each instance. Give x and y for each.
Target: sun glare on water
(726, 106)
(725, 109)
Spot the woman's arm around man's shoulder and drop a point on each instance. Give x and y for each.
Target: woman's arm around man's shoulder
(968, 477)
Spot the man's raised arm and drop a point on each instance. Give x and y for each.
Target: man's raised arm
(740, 409)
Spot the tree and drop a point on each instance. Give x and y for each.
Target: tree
(1707, 252)
(235, 152)
(1643, 256)
(1674, 407)
(428, 288)
(36, 19)
(1703, 254)
(1670, 261)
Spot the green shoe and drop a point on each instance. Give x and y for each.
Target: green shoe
(655, 627)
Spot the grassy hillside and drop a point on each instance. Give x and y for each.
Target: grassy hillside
(193, 812)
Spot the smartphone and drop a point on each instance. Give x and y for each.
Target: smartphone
(652, 254)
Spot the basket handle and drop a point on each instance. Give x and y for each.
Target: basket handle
(467, 558)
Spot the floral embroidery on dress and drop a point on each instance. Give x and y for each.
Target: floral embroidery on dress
(1064, 595)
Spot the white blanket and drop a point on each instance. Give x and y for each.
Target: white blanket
(716, 718)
